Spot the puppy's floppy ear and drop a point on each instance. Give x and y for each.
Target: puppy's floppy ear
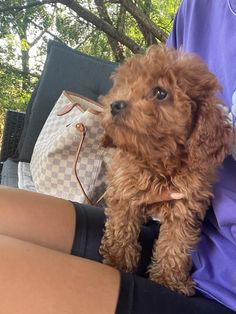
(211, 136)
(195, 78)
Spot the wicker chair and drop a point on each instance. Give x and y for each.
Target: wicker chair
(13, 126)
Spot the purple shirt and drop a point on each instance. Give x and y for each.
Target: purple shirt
(208, 28)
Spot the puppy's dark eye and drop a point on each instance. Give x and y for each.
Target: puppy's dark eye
(159, 93)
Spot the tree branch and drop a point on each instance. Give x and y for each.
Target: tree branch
(27, 6)
(116, 47)
(82, 42)
(43, 31)
(143, 19)
(101, 25)
(10, 68)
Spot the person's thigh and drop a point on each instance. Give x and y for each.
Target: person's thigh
(37, 218)
(36, 280)
(61, 282)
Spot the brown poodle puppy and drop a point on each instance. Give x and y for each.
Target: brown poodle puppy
(171, 134)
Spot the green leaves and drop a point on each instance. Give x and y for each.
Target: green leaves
(24, 45)
(12, 96)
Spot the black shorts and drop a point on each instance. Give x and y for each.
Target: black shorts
(138, 294)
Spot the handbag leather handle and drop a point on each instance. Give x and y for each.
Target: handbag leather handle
(70, 106)
(81, 128)
(67, 108)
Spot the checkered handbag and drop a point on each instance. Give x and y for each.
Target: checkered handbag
(68, 160)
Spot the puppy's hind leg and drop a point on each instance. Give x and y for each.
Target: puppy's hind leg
(120, 247)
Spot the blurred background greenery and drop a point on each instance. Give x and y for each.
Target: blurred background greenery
(111, 30)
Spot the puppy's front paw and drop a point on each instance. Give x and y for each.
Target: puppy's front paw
(185, 287)
(124, 258)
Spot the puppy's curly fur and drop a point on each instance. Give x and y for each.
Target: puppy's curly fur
(163, 116)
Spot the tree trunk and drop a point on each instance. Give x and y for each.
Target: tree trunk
(24, 53)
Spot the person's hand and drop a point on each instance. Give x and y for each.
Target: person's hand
(166, 195)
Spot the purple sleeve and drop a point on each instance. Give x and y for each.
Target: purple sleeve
(207, 28)
(175, 39)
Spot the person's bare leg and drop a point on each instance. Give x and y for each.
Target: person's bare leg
(37, 218)
(36, 280)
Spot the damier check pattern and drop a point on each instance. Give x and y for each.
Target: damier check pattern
(55, 150)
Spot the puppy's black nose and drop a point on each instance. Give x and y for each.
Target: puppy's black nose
(117, 106)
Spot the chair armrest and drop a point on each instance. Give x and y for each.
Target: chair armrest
(13, 126)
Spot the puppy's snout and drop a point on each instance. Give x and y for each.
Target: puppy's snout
(118, 106)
